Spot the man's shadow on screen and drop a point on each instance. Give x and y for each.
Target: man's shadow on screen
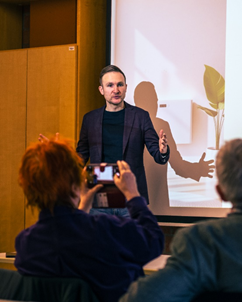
(145, 97)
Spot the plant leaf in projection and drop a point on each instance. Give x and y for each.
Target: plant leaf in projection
(214, 86)
(215, 106)
(208, 111)
(220, 106)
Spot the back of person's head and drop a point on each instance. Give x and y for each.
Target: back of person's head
(48, 172)
(110, 68)
(229, 170)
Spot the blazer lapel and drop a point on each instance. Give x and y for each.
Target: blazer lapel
(128, 124)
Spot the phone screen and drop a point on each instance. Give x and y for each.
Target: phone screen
(109, 196)
(107, 174)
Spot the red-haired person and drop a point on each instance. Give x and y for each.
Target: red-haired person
(106, 251)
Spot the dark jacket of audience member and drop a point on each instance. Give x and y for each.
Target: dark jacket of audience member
(106, 251)
(207, 256)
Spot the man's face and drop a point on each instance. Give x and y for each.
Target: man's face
(113, 88)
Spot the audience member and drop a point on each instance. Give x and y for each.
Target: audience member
(206, 256)
(105, 250)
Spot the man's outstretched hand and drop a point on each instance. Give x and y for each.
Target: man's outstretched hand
(43, 138)
(162, 142)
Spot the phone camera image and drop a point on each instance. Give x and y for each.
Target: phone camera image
(109, 196)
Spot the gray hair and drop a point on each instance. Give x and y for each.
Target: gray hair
(229, 170)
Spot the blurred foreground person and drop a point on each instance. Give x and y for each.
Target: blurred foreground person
(207, 256)
(106, 251)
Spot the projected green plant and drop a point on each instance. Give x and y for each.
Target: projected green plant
(214, 85)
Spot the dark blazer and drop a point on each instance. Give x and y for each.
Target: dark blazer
(138, 132)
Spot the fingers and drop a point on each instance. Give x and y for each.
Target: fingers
(123, 166)
(96, 188)
(161, 133)
(203, 156)
(162, 136)
(57, 136)
(126, 181)
(209, 162)
(211, 166)
(84, 177)
(42, 138)
(162, 141)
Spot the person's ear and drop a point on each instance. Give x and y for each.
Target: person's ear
(221, 193)
(101, 90)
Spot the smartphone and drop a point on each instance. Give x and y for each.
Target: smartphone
(109, 196)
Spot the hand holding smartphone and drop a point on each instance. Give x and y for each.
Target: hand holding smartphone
(109, 196)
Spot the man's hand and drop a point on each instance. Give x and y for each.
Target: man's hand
(162, 142)
(126, 181)
(87, 195)
(43, 138)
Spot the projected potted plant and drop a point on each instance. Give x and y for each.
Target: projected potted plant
(214, 85)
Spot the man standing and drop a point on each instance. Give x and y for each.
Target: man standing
(119, 131)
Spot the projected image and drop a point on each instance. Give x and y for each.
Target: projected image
(173, 55)
(178, 167)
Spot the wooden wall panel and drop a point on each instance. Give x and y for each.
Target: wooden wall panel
(13, 67)
(52, 22)
(55, 82)
(51, 106)
(91, 40)
(10, 26)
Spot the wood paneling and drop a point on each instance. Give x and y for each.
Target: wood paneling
(51, 91)
(18, 1)
(13, 66)
(45, 101)
(52, 22)
(10, 26)
(91, 39)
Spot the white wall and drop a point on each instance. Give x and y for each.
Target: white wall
(233, 94)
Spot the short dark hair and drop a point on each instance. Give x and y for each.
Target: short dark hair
(110, 68)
